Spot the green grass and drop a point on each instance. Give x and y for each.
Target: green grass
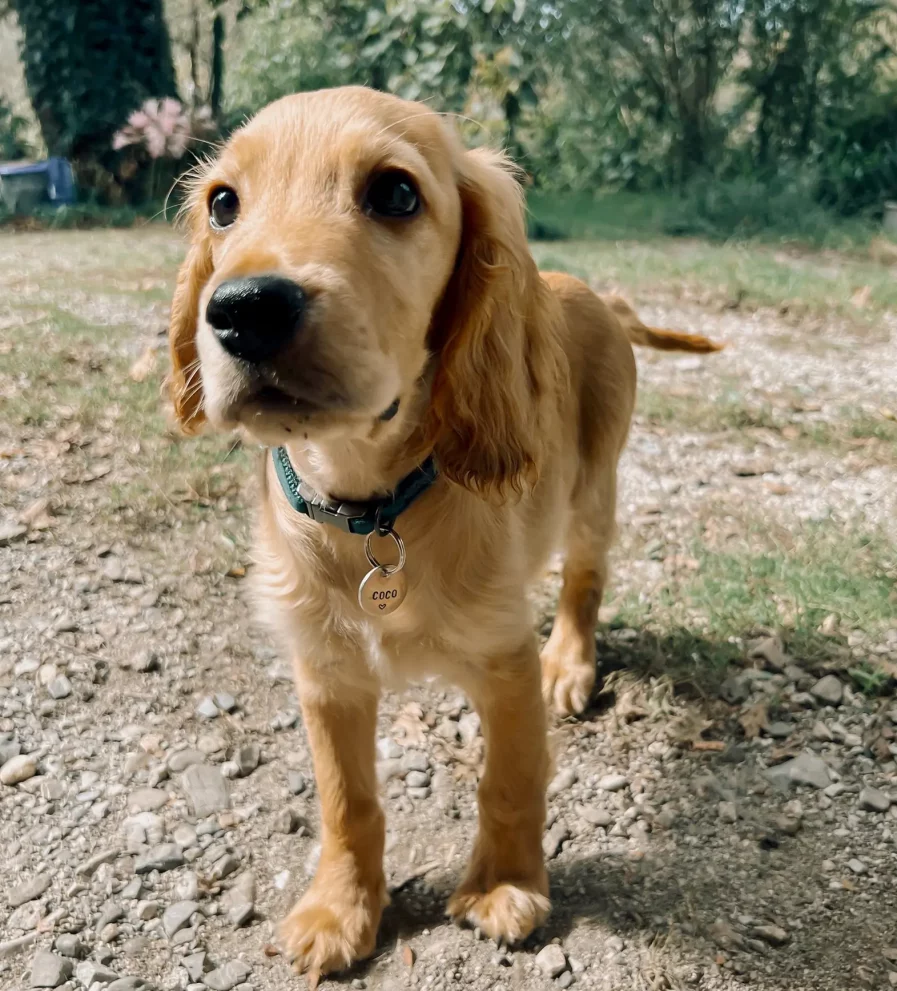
(733, 275)
(790, 581)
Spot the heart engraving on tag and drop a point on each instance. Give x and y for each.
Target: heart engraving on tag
(383, 588)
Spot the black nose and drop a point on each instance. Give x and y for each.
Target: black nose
(255, 316)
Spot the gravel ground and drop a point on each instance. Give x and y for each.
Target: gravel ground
(157, 805)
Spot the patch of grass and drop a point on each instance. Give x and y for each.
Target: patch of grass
(736, 276)
(689, 411)
(605, 216)
(772, 580)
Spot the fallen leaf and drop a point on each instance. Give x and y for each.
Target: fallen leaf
(407, 956)
(888, 414)
(238, 571)
(143, 366)
(754, 719)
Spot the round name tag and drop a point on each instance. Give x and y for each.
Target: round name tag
(382, 590)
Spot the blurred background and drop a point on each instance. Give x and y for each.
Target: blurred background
(719, 118)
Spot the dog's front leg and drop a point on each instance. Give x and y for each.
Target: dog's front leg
(335, 922)
(505, 889)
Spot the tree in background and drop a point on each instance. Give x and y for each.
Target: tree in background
(88, 65)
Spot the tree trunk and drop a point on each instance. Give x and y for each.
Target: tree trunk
(88, 65)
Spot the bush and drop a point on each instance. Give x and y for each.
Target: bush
(785, 206)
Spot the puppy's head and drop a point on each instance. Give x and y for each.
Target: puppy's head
(341, 242)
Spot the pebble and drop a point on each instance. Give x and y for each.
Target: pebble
(49, 970)
(89, 973)
(563, 780)
(88, 867)
(566, 979)
(147, 800)
(205, 789)
(873, 800)
(551, 960)
(224, 867)
(728, 812)
(415, 760)
(857, 866)
(207, 709)
(774, 935)
(285, 821)
(554, 839)
(70, 945)
(177, 916)
(128, 984)
(17, 769)
(228, 976)
(613, 782)
(296, 782)
(469, 727)
(187, 886)
(828, 690)
(28, 890)
(417, 779)
(238, 902)
(225, 701)
(60, 687)
(247, 759)
(195, 965)
(164, 857)
(594, 816)
(145, 661)
(805, 769)
(180, 760)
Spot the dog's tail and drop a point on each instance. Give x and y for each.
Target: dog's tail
(656, 337)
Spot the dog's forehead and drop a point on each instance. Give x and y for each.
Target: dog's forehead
(334, 129)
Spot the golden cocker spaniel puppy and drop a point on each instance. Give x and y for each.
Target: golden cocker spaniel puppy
(359, 296)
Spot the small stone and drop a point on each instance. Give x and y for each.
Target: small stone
(415, 760)
(417, 793)
(205, 790)
(728, 812)
(224, 867)
(554, 839)
(821, 732)
(69, 945)
(180, 760)
(247, 759)
(563, 780)
(17, 769)
(238, 902)
(164, 857)
(225, 701)
(735, 690)
(551, 960)
(207, 709)
(613, 782)
(417, 779)
(145, 661)
(184, 834)
(805, 769)
(111, 912)
(212, 743)
(296, 782)
(28, 890)
(60, 687)
(177, 916)
(195, 965)
(228, 976)
(49, 970)
(388, 749)
(88, 867)
(857, 866)
(146, 910)
(828, 690)
(469, 727)
(774, 935)
(594, 816)
(566, 979)
(129, 984)
(286, 821)
(779, 730)
(146, 800)
(89, 973)
(771, 651)
(10, 532)
(873, 800)
(187, 887)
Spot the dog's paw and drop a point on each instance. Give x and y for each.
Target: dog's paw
(508, 912)
(568, 680)
(331, 928)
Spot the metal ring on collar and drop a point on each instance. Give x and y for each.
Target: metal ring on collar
(388, 569)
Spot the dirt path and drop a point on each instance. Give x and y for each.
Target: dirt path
(759, 489)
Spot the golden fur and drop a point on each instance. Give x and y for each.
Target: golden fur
(521, 384)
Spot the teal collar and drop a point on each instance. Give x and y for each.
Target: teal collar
(352, 517)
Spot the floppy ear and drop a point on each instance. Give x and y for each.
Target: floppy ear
(495, 334)
(185, 381)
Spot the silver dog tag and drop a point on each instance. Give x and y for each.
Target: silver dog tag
(383, 588)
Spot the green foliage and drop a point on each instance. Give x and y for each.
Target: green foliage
(88, 64)
(12, 131)
(80, 216)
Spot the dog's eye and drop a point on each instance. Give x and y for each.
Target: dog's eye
(224, 205)
(392, 194)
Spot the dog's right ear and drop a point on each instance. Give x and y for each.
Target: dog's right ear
(185, 380)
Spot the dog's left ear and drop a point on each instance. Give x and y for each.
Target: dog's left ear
(495, 336)
(185, 380)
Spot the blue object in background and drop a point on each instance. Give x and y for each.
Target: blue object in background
(25, 186)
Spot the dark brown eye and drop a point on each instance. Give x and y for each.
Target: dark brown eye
(392, 194)
(224, 205)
